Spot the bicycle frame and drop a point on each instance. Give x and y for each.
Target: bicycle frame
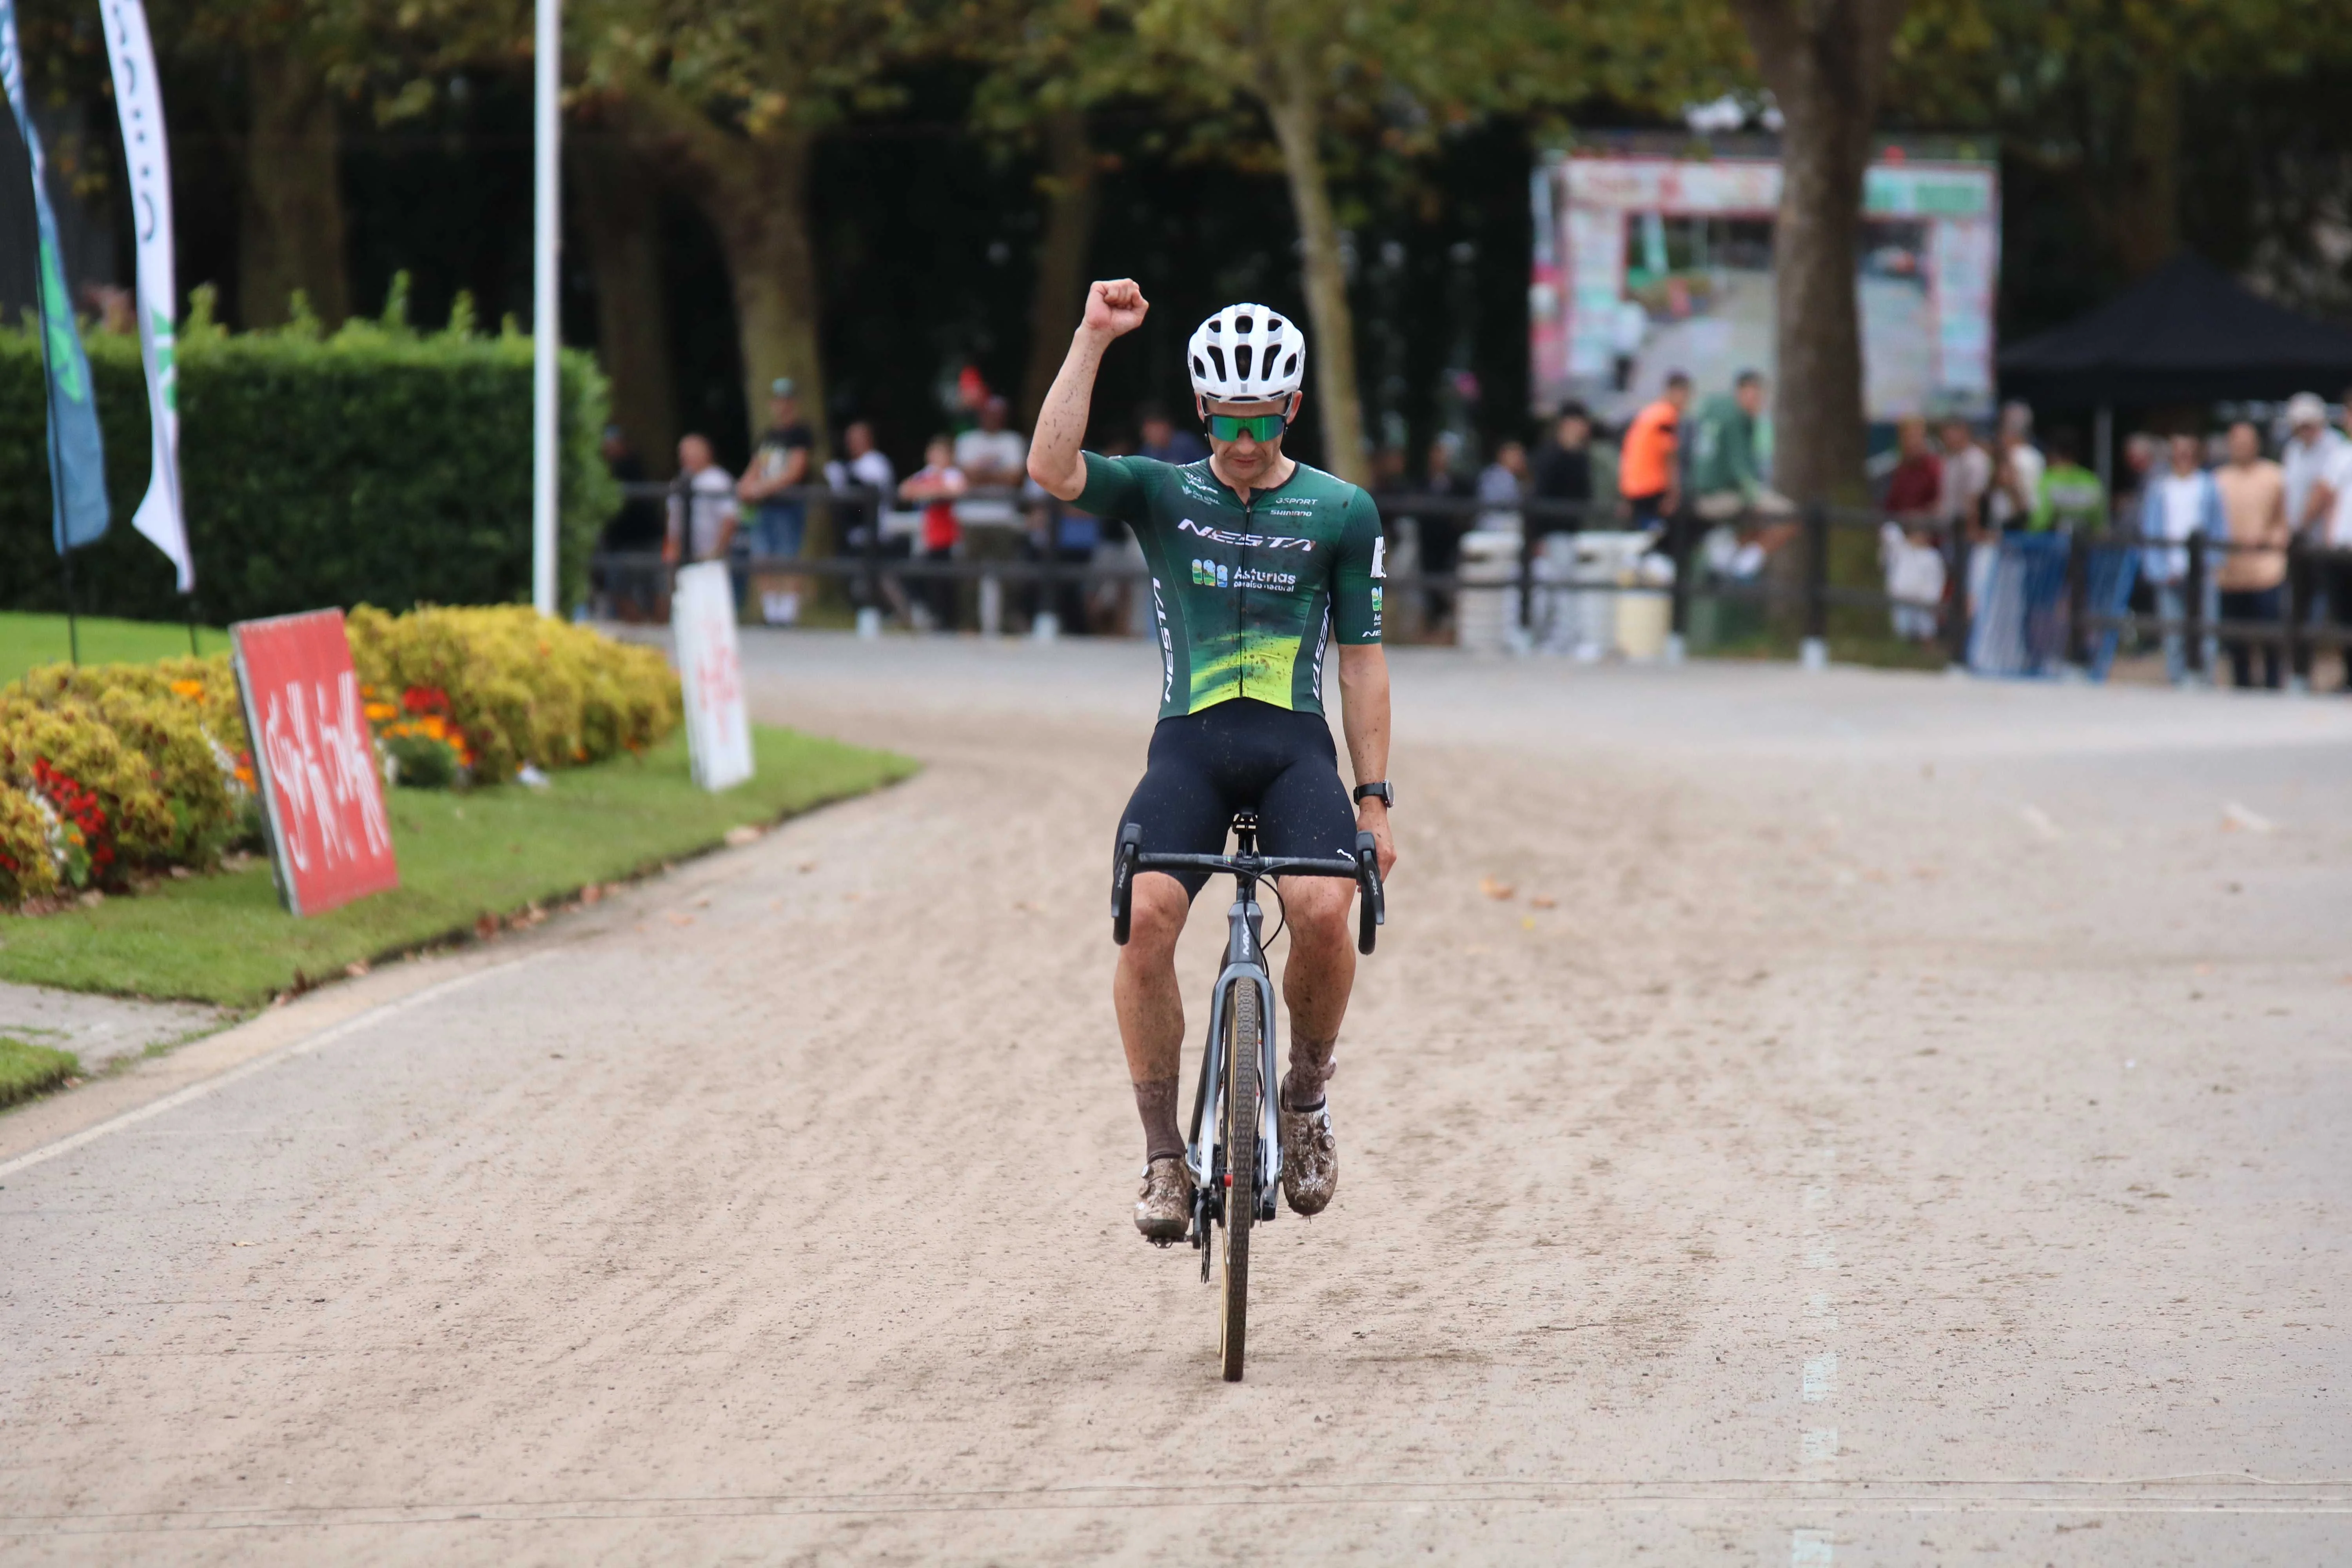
(1244, 966)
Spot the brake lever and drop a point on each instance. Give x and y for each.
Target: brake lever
(1122, 881)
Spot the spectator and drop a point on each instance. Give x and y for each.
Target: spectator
(1917, 485)
(1647, 480)
(2016, 472)
(864, 466)
(2184, 503)
(2143, 455)
(861, 468)
(1441, 532)
(1725, 466)
(1162, 442)
(2070, 500)
(2311, 450)
(1564, 473)
(779, 463)
(2252, 575)
(937, 484)
(1502, 485)
(992, 456)
(2332, 532)
(1966, 475)
(702, 506)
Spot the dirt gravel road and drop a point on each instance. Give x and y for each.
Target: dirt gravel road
(1889, 1121)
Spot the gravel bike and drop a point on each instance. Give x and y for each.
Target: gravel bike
(1235, 1129)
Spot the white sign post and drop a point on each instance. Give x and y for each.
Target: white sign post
(702, 627)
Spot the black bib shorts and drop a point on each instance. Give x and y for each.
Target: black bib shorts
(1237, 756)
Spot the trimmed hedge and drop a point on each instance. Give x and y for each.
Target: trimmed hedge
(380, 465)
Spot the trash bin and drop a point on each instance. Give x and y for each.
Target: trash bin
(1485, 614)
(1644, 618)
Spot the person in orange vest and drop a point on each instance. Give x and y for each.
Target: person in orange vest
(1647, 470)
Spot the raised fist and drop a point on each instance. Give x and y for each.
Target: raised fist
(1116, 308)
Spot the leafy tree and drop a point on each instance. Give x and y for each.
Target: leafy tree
(731, 97)
(2095, 93)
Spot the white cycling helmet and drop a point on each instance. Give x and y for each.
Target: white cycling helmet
(1246, 352)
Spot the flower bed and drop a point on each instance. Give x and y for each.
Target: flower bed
(113, 774)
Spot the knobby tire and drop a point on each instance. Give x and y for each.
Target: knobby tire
(1243, 1045)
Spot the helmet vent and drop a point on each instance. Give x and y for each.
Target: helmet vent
(1245, 324)
(1242, 359)
(1217, 356)
(1290, 365)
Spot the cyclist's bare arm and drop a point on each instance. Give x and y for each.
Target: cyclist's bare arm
(1364, 719)
(1056, 458)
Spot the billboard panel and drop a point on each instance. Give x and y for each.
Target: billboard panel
(1645, 264)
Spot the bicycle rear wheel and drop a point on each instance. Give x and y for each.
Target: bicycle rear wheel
(1243, 1044)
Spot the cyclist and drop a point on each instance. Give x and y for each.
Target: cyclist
(1257, 563)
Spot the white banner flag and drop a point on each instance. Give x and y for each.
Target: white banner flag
(139, 100)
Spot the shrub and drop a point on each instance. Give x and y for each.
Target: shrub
(31, 847)
(517, 687)
(116, 820)
(182, 715)
(379, 464)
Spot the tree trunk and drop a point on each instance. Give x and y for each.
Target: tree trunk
(290, 212)
(2144, 221)
(760, 213)
(754, 191)
(620, 213)
(1294, 107)
(1825, 61)
(1069, 186)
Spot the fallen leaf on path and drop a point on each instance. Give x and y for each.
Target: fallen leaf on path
(1494, 889)
(1540, 902)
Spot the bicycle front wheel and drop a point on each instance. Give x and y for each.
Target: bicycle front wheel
(1244, 1040)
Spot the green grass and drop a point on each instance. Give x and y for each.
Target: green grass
(26, 640)
(225, 939)
(27, 1070)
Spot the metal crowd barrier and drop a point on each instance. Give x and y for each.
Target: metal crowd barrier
(1797, 593)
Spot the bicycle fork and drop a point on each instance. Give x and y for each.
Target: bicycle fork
(1205, 1155)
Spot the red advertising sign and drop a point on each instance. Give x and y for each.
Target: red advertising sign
(316, 758)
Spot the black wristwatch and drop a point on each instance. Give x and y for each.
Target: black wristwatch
(1381, 792)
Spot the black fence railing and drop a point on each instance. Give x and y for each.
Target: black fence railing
(1518, 573)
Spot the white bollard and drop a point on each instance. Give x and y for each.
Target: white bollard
(1813, 654)
(992, 606)
(1046, 627)
(869, 621)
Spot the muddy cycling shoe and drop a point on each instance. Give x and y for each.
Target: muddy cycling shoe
(1163, 1210)
(1310, 1159)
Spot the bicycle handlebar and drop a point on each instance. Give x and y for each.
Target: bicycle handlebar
(1365, 868)
(1252, 865)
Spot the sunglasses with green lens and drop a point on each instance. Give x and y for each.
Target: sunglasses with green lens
(1259, 427)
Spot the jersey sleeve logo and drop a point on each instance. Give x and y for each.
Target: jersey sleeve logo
(1379, 563)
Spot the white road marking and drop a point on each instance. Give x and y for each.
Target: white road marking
(1812, 1549)
(1819, 1445)
(2039, 820)
(196, 1091)
(1821, 1377)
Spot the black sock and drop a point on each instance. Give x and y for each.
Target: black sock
(1155, 1103)
(1311, 1067)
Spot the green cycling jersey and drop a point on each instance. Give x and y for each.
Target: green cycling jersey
(1246, 596)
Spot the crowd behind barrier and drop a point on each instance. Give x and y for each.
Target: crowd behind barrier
(1564, 594)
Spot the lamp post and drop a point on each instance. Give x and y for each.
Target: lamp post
(546, 323)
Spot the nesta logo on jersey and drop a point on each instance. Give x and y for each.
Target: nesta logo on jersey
(1248, 540)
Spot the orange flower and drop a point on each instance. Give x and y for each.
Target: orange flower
(193, 691)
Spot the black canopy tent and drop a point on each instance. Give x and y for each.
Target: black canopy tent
(2188, 332)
